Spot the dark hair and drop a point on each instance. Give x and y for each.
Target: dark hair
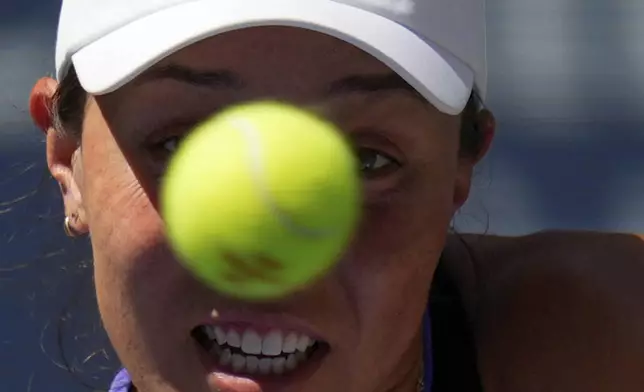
(70, 100)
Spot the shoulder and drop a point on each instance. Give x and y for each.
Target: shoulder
(558, 310)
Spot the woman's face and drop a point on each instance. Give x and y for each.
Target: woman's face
(365, 315)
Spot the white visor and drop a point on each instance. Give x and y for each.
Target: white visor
(114, 51)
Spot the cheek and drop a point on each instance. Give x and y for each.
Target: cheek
(390, 265)
(136, 275)
(413, 221)
(116, 193)
(130, 252)
(389, 268)
(117, 205)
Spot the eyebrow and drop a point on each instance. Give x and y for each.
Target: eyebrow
(372, 83)
(219, 79)
(212, 79)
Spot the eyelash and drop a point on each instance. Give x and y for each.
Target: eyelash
(384, 163)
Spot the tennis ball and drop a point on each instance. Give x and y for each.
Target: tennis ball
(261, 199)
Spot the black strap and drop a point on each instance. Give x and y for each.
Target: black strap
(454, 350)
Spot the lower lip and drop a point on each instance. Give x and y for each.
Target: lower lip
(223, 377)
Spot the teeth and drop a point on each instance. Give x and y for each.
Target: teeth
(251, 342)
(278, 365)
(252, 365)
(225, 358)
(239, 363)
(291, 362)
(209, 332)
(272, 344)
(220, 335)
(233, 339)
(289, 343)
(303, 343)
(265, 365)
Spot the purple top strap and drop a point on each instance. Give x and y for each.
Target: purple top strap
(122, 382)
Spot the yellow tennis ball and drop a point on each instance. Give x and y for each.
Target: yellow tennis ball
(261, 199)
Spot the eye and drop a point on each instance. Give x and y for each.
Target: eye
(171, 144)
(165, 148)
(374, 163)
(161, 151)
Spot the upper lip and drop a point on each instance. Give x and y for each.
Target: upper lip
(263, 322)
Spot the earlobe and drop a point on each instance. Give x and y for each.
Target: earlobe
(40, 103)
(63, 155)
(64, 159)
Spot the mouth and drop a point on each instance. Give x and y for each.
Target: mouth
(260, 355)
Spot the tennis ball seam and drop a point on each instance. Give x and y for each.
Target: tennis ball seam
(252, 136)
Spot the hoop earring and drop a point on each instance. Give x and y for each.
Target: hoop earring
(69, 231)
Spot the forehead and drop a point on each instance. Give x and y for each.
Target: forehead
(293, 64)
(258, 49)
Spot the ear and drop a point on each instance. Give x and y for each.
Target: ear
(486, 126)
(40, 103)
(486, 123)
(63, 153)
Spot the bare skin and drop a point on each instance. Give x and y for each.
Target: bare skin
(555, 311)
(368, 310)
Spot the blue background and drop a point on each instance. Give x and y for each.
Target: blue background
(567, 86)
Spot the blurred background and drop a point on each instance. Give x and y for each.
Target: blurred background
(567, 86)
